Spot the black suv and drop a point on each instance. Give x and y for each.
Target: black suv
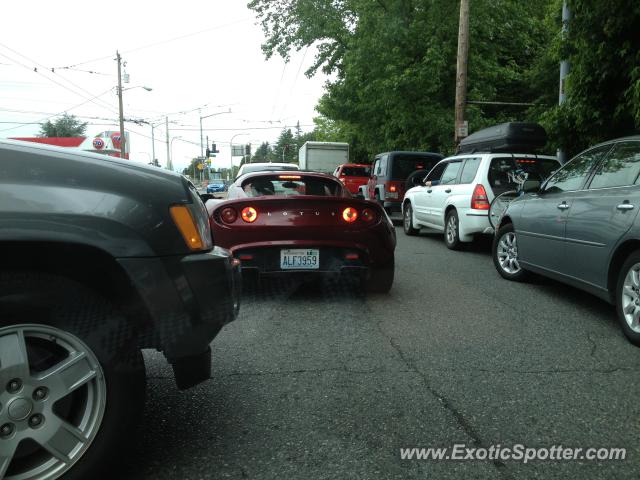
(389, 174)
(99, 258)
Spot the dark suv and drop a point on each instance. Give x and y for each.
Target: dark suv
(99, 258)
(389, 174)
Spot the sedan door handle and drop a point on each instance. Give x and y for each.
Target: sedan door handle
(625, 206)
(429, 191)
(563, 206)
(448, 190)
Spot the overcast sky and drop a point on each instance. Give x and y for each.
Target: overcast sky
(217, 65)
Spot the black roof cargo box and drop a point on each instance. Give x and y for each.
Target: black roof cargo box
(513, 137)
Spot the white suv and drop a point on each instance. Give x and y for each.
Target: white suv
(458, 191)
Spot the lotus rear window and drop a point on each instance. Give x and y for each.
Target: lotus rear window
(290, 185)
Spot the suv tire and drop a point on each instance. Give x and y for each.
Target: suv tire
(407, 221)
(64, 325)
(452, 231)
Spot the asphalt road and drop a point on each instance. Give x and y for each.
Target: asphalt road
(322, 382)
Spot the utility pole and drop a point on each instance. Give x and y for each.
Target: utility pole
(201, 147)
(153, 145)
(166, 126)
(461, 71)
(564, 70)
(121, 114)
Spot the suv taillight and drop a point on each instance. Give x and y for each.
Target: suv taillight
(479, 200)
(391, 190)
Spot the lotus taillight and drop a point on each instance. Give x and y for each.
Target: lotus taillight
(368, 215)
(393, 188)
(249, 214)
(349, 215)
(229, 215)
(479, 200)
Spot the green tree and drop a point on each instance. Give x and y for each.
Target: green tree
(393, 63)
(65, 126)
(603, 86)
(286, 148)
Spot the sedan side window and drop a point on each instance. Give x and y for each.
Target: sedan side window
(573, 174)
(450, 174)
(620, 168)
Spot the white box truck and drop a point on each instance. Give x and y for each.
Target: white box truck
(323, 156)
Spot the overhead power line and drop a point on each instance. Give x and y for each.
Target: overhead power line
(160, 42)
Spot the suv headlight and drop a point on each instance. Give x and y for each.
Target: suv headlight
(192, 221)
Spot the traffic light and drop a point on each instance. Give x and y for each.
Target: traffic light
(247, 149)
(212, 152)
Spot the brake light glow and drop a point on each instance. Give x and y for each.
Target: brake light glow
(249, 214)
(229, 215)
(289, 177)
(349, 215)
(245, 257)
(351, 256)
(479, 200)
(368, 215)
(526, 161)
(393, 188)
(184, 221)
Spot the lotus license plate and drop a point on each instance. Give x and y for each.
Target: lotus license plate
(300, 259)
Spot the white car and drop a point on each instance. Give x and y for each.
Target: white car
(259, 167)
(458, 191)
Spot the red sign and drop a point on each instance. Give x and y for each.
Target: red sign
(115, 138)
(98, 143)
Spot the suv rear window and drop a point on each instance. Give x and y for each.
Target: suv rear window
(356, 171)
(403, 165)
(505, 172)
(286, 185)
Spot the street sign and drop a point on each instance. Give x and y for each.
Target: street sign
(208, 160)
(463, 129)
(200, 166)
(237, 150)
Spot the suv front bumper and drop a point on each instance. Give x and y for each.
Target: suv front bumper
(189, 299)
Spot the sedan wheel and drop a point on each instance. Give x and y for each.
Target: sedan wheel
(628, 298)
(53, 402)
(508, 253)
(505, 254)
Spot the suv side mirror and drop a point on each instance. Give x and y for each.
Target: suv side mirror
(206, 196)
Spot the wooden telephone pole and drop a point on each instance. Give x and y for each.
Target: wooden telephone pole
(461, 72)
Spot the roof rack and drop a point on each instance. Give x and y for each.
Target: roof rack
(511, 137)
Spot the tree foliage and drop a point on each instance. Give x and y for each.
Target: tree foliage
(393, 67)
(65, 126)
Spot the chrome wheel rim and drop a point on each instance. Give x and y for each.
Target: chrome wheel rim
(508, 253)
(452, 229)
(407, 218)
(52, 401)
(631, 298)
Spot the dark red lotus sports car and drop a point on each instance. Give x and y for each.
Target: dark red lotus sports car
(292, 221)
